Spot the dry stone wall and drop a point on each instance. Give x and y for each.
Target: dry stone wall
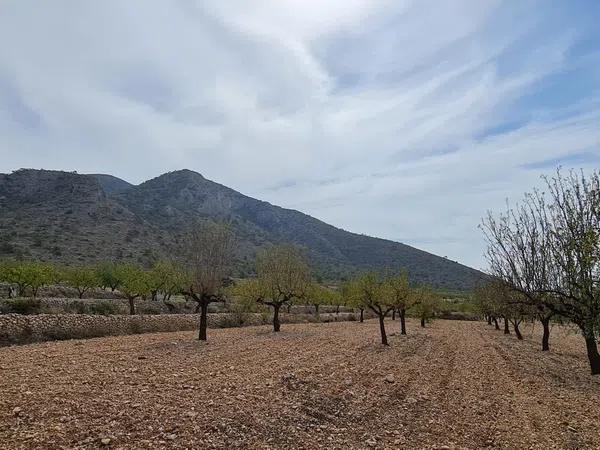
(22, 329)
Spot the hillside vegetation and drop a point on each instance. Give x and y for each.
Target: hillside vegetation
(75, 218)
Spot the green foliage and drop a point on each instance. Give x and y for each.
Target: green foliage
(351, 294)
(320, 295)
(397, 289)
(247, 295)
(426, 303)
(283, 274)
(167, 277)
(27, 274)
(370, 291)
(80, 278)
(135, 282)
(21, 306)
(107, 275)
(241, 301)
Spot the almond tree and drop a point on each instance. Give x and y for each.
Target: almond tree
(28, 274)
(283, 276)
(351, 295)
(399, 292)
(484, 297)
(371, 292)
(134, 283)
(320, 295)
(107, 275)
(548, 249)
(208, 265)
(82, 279)
(425, 302)
(168, 278)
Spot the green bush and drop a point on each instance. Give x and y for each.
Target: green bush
(105, 308)
(21, 306)
(77, 307)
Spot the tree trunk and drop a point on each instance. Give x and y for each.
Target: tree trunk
(394, 314)
(517, 331)
(289, 308)
(81, 294)
(496, 323)
(131, 306)
(489, 320)
(423, 322)
(362, 315)
(402, 314)
(316, 309)
(337, 309)
(593, 355)
(506, 329)
(276, 324)
(384, 340)
(203, 320)
(546, 336)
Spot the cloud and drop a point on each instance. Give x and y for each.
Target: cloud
(400, 119)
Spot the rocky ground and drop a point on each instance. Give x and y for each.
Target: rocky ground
(454, 385)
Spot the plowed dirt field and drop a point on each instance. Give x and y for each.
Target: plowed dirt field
(453, 385)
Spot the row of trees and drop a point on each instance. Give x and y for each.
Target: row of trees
(498, 302)
(283, 277)
(391, 294)
(544, 258)
(165, 278)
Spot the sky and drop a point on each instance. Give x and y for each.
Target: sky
(403, 119)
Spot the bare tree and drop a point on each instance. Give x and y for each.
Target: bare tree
(208, 264)
(549, 251)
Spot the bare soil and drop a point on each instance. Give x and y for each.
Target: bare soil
(453, 385)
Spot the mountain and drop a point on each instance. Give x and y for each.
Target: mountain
(111, 184)
(72, 217)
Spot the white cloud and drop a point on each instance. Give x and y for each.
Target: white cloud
(405, 120)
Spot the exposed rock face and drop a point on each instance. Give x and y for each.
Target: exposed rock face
(86, 218)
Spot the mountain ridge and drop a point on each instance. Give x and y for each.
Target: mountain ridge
(105, 217)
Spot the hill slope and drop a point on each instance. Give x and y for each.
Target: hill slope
(86, 218)
(111, 184)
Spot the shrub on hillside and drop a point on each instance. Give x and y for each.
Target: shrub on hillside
(21, 306)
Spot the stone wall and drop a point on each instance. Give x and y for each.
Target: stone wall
(64, 305)
(23, 329)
